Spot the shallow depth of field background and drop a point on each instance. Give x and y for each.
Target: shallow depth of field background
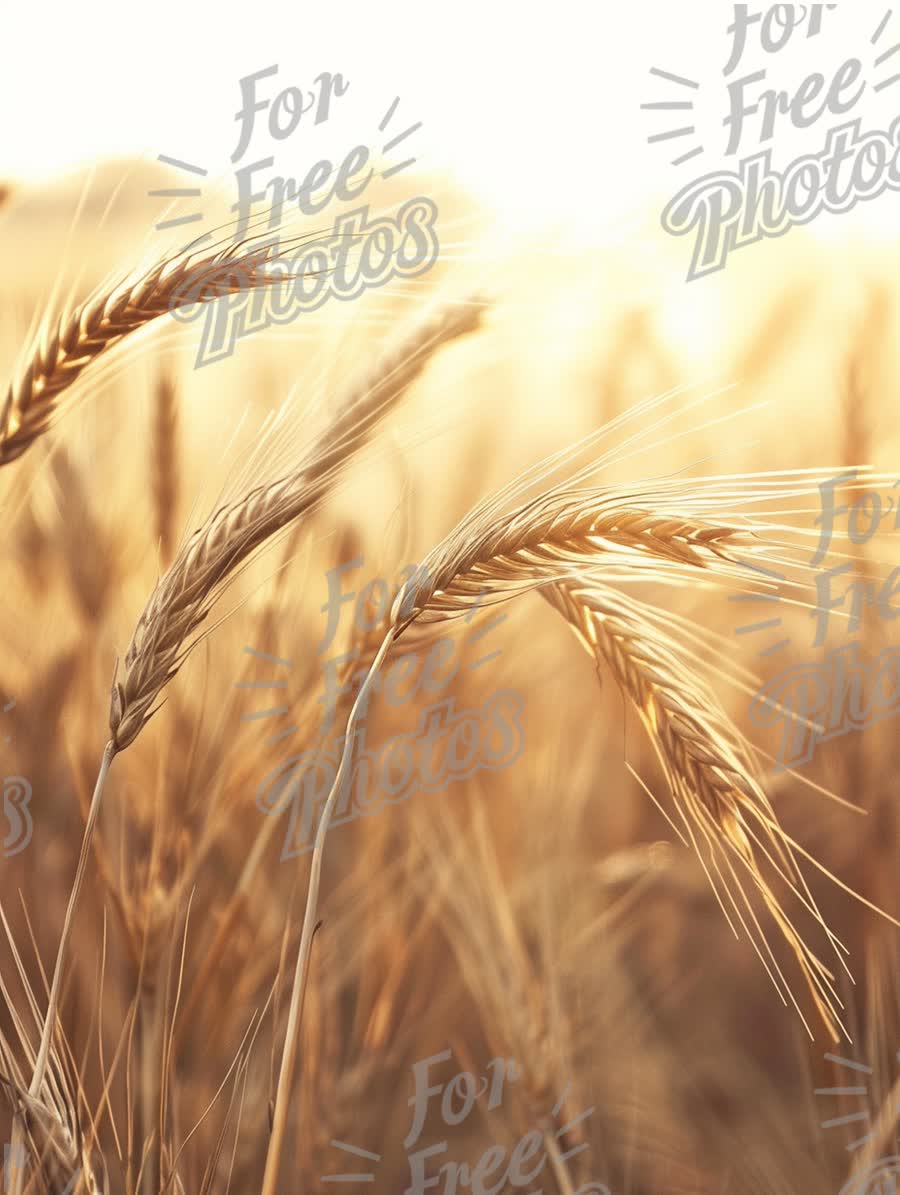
(545, 912)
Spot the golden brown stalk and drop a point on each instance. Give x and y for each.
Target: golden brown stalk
(862, 380)
(371, 399)
(874, 866)
(205, 564)
(514, 984)
(307, 933)
(50, 1139)
(90, 559)
(537, 543)
(82, 335)
(165, 465)
(182, 599)
(550, 539)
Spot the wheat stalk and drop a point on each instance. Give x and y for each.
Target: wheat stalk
(49, 1120)
(207, 562)
(165, 471)
(570, 538)
(67, 346)
(532, 545)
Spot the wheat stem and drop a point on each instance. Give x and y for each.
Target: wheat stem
(292, 1034)
(40, 1066)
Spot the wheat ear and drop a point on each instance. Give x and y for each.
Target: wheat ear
(711, 775)
(66, 347)
(182, 599)
(558, 531)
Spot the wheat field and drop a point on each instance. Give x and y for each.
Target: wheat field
(525, 538)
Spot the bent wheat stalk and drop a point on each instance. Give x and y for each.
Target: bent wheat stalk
(65, 348)
(539, 543)
(563, 543)
(207, 562)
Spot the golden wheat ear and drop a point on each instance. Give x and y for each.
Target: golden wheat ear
(207, 562)
(719, 801)
(66, 347)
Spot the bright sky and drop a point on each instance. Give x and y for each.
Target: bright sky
(536, 105)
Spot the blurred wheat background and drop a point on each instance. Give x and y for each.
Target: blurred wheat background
(546, 912)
